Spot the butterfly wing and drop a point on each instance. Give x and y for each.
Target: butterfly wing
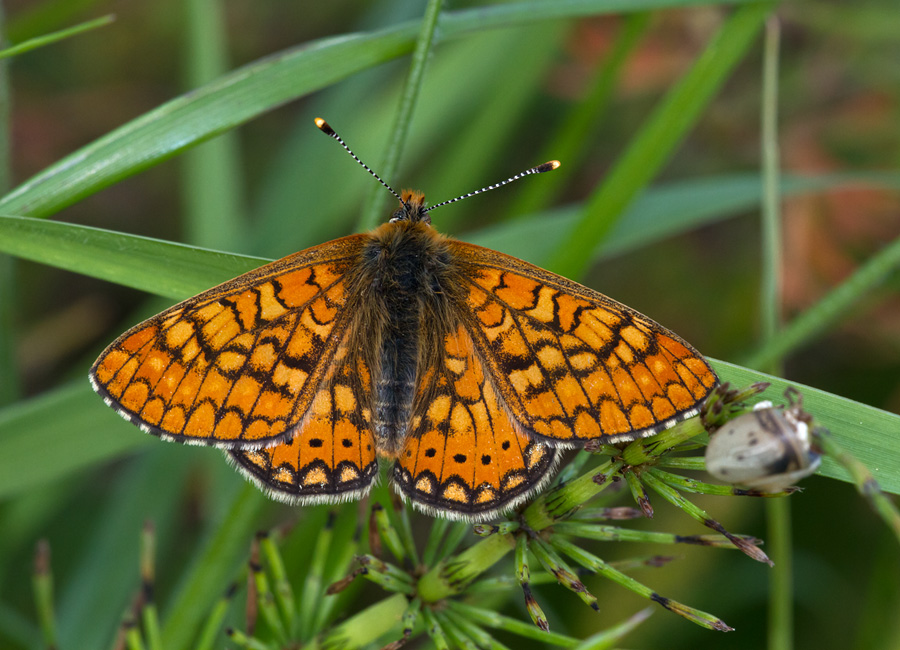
(571, 364)
(332, 456)
(240, 364)
(464, 457)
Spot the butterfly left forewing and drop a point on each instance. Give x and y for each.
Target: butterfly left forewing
(464, 457)
(237, 365)
(571, 364)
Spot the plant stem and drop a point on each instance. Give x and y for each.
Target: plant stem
(372, 213)
(778, 511)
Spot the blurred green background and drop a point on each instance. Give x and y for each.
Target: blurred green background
(493, 102)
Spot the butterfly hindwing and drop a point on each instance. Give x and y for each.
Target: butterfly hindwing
(331, 456)
(464, 457)
(571, 364)
(238, 365)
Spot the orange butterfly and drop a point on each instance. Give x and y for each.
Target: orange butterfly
(469, 367)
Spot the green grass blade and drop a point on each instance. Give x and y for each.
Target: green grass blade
(90, 433)
(200, 115)
(661, 211)
(158, 267)
(575, 136)
(251, 90)
(49, 39)
(179, 271)
(47, 16)
(654, 144)
(520, 13)
(831, 308)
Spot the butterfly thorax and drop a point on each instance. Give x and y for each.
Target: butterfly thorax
(406, 271)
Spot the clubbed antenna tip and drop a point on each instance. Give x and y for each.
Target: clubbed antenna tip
(325, 127)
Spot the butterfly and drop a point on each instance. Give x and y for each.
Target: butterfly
(470, 369)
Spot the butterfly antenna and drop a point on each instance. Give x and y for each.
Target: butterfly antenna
(325, 128)
(540, 169)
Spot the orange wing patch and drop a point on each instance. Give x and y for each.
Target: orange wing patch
(332, 455)
(573, 365)
(464, 457)
(238, 365)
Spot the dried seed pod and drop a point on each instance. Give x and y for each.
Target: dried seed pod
(768, 449)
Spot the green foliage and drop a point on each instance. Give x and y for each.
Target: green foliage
(488, 103)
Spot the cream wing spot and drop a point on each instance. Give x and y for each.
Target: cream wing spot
(263, 357)
(624, 353)
(271, 308)
(439, 409)
(178, 334)
(551, 357)
(425, 484)
(344, 397)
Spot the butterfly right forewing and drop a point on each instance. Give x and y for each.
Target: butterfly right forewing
(571, 364)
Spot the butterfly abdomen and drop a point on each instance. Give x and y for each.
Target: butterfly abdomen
(406, 269)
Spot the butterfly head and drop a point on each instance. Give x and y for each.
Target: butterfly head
(412, 208)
